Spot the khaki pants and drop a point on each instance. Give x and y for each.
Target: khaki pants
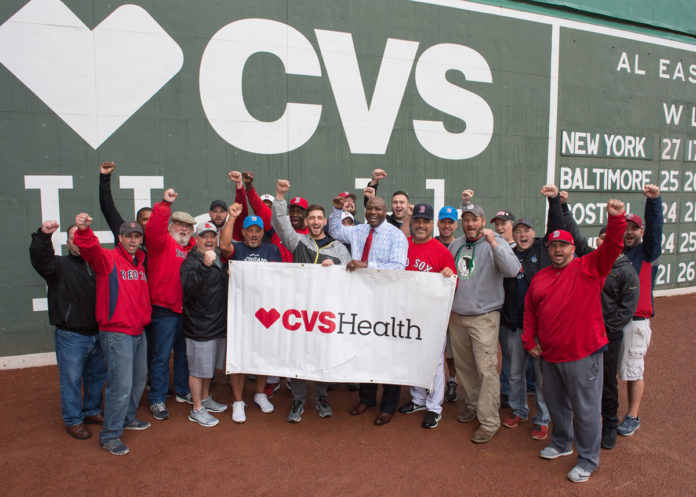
(475, 348)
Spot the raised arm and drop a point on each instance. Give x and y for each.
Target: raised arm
(280, 220)
(241, 199)
(336, 228)
(257, 205)
(41, 253)
(371, 188)
(90, 249)
(581, 245)
(654, 223)
(226, 245)
(106, 200)
(600, 261)
(157, 228)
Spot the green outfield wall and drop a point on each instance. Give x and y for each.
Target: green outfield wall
(499, 97)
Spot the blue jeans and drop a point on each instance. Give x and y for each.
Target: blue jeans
(167, 335)
(126, 362)
(80, 365)
(518, 382)
(504, 336)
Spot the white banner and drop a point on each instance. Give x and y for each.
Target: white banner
(326, 324)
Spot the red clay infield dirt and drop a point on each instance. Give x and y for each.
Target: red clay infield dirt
(346, 455)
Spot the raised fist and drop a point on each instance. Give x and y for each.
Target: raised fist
(235, 210)
(549, 191)
(489, 236)
(83, 221)
(282, 186)
(338, 202)
(369, 192)
(248, 178)
(651, 191)
(378, 175)
(209, 257)
(107, 168)
(170, 195)
(49, 227)
(236, 177)
(564, 197)
(467, 195)
(615, 207)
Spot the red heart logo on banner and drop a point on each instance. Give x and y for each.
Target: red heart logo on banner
(267, 318)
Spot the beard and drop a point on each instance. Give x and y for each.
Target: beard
(181, 238)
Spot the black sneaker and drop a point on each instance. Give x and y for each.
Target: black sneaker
(431, 419)
(159, 411)
(451, 393)
(608, 438)
(410, 407)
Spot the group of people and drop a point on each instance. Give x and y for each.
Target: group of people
(567, 318)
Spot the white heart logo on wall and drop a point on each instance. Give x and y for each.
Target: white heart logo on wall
(94, 80)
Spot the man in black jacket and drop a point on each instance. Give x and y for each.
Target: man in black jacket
(204, 284)
(71, 302)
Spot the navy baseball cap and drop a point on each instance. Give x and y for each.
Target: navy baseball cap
(218, 203)
(423, 211)
(448, 212)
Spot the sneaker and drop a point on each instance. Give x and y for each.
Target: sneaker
(184, 398)
(115, 447)
(261, 400)
(482, 435)
(202, 417)
(608, 438)
(296, 411)
(539, 432)
(451, 393)
(431, 419)
(549, 452)
(212, 406)
(137, 425)
(513, 420)
(628, 426)
(323, 407)
(270, 389)
(159, 411)
(411, 407)
(578, 475)
(468, 416)
(238, 412)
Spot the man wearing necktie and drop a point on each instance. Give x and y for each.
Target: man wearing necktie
(375, 244)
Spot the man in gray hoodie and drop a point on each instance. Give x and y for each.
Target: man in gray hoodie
(316, 247)
(482, 258)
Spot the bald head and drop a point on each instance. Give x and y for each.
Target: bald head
(375, 211)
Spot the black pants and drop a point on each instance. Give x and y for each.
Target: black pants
(610, 389)
(390, 396)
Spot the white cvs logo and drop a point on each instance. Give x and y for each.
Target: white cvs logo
(94, 80)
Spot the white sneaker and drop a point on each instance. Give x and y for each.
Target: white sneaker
(238, 413)
(550, 452)
(261, 400)
(203, 418)
(578, 475)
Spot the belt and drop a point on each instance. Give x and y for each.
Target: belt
(639, 318)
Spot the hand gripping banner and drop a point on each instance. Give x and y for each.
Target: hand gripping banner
(326, 324)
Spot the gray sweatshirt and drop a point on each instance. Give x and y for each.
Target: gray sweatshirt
(481, 270)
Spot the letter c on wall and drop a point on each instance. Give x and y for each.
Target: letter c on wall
(220, 82)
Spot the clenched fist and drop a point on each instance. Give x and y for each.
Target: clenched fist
(170, 195)
(107, 168)
(338, 202)
(209, 257)
(615, 207)
(489, 235)
(467, 195)
(378, 175)
(235, 210)
(248, 178)
(369, 192)
(83, 221)
(651, 191)
(49, 227)
(236, 178)
(549, 191)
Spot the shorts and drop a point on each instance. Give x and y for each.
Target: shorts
(635, 344)
(204, 357)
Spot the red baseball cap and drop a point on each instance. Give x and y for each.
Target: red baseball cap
(636, 219)
(348, 194)
(300, 202)
(561, 236)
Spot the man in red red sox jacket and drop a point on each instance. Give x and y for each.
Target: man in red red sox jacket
(122, 309)
(563, 313)
(168, 240)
